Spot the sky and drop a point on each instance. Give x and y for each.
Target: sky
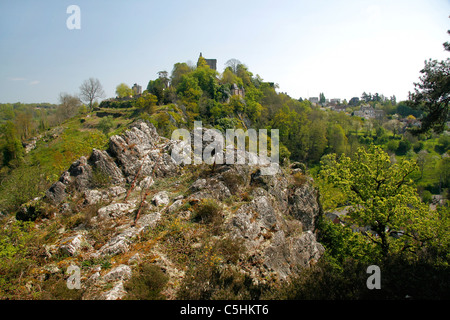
(340, 48)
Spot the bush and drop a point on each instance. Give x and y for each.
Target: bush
(55, 288)
(403, 147)
(105, 124)
(208, 211)
(233, 180)
(299, 179)
(400, 278)
(146, 283)
(426, 196)
(100, 179)
(117, 104)
(392, 145)
(207, 282)
(19, 249)
(418, 146)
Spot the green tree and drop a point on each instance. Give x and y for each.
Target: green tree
(431, 94)
(69, 106)
(179, 69)
(322, 98)
(317, 140)
(207, 80)
(382, 198)
(147, 102)
(201, 62)
(337, 140)
(24, 124)
(105, 124)
(189, 89)
(246, 76)
(12, 149)
(156, 87)
(403, 147)
(123, 90)
(444, 172)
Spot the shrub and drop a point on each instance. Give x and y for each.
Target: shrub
(392, 145)
(299, 179)
(55, 288)
(230, 249)
(233, 180)
(19, 249)
(207, 282)
(403, 147)
(105, 124)
(208, 211)
(146, 283)
(100, 179)
(426, 196)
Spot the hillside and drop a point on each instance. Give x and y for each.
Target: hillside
(117, 212)
(94, 207)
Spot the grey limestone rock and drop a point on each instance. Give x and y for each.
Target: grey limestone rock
(304, 205)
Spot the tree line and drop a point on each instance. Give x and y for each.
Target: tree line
(19, 122)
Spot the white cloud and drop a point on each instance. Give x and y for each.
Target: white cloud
(17, 79)
(34, 82)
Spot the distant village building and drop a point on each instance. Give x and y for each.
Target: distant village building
(212, 63)
(368, 112)
(335, 101)
(235, 90)
(341, 108)
(137, 89)
(314, 100)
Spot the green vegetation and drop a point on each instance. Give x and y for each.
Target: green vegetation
(146, 283)
(376, 168)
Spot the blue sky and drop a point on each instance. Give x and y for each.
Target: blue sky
(341, 48)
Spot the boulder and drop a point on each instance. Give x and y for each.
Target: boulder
(161, 198)
(103, 162)
(71, 245)
(57, 192)
(115, 210)
(116, 293)
(95, 196)
(121, 272)
(133, 152)
(132, 148)
(146, 183)
(120, 242)
(175, 206)
(81, 173)
(209, 188)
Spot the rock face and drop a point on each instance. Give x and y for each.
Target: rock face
(282, 241)
(136, 153)
(270, 216)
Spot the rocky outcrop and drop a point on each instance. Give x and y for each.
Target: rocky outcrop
(284, 245)
(272, 217)
(304, 205)
(139, 153)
